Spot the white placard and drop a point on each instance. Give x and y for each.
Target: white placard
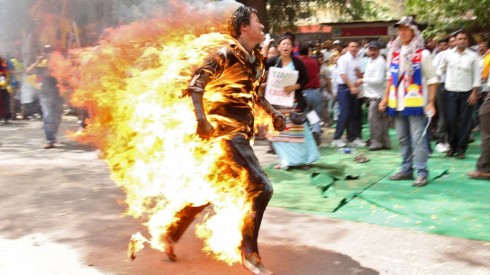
(277, 79)
(312, 117)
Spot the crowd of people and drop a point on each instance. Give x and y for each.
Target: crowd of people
(29, 91)
(413, 84)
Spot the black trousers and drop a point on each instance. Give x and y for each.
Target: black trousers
(483, 164)
(458, 117)
(258, 187)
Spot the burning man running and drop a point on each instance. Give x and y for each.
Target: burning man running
(235, 72)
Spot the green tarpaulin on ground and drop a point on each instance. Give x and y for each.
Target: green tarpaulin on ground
(337, 186)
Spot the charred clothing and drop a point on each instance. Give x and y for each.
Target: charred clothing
(230, 80)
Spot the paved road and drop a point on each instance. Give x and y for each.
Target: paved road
(62, 214)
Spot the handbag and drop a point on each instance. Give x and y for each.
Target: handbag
(298, 118)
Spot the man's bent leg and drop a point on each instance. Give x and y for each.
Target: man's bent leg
(176, 230)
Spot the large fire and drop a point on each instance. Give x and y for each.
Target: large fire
(132, 83)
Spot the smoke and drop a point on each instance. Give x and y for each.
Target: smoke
(28, 24)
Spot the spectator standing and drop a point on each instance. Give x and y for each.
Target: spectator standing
(439, 120)
(295, 146)
(16, 70)
(407, 97)
(4, 92)
(311, 91)
(483, 164)
(349, 71)
(332, 67)
(49, 98)
(327, 49)
(462, 83)
(326, 89)
(484, 47)
(374, 85)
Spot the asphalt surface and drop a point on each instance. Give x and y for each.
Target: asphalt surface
(62, 214)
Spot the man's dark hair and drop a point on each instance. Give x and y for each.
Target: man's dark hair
(462, 32)
(240, 17)
(355, 41)
(444, 40)
(304, 48)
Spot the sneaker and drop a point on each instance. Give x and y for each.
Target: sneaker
(420, 181)
(338, 143)
(357, 143)
(442, 147)
(401, 176)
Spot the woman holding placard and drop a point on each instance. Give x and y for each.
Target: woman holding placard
(295, 146)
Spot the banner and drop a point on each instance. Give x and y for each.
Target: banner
(277, 79)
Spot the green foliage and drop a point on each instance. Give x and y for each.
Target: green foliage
(285, 13)
(444, 16)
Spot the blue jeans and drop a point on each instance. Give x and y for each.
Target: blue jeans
(414, 148)
(314, 101)
(350, 114)
(51, 107)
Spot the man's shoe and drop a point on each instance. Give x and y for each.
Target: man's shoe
(401, 176)
(460, 155)
(450, 153)
(357, 143)
(442, 147)
(420, 181)
(338, 143)
(375, 148)
(49, 146)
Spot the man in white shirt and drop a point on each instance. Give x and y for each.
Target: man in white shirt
(409, 97)
(374, 84)
(349, 71)
(462, 82)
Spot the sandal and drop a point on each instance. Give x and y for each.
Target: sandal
(361, 159)
(479, 175)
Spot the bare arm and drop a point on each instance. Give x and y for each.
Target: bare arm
(204, 129)
(384, 100)
(31, 68)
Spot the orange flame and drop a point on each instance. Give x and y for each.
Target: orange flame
(131, 83)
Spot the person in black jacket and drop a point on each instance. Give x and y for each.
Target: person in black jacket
(296, 147)
(286, 60)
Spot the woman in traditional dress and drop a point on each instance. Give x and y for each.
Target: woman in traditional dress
(295, 146)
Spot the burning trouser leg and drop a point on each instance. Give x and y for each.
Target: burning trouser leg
(260, 189)
(186, 217)
(177, 229)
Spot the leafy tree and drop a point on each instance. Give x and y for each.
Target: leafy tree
(278, 14)
(444, 16)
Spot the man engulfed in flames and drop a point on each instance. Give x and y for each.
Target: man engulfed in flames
(147, 133)
(224, 93)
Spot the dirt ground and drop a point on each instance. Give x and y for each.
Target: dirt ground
(62, 214)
